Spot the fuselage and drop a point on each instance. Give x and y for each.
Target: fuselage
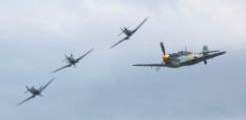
(35, 91)
(182, 58)
(127, 32)
(71, 60)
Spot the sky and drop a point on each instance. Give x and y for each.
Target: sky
(35, 35)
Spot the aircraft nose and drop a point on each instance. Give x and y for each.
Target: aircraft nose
(166, 58)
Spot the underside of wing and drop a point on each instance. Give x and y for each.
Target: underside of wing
(42, 88)
(210, 56)
(140, 25)
(124, 39)
(84, 55)
(31, 97)
(59, 69)
(204, 58)
(150, 65)
(208, 52)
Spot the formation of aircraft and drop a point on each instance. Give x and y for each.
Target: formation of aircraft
(72, 61)
(184, 58)
(174, 60)
(128, 33)
(35, 91)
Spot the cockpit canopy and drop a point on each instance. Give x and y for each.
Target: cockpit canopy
(180, 53)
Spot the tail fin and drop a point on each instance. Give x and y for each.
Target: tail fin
(205, 51)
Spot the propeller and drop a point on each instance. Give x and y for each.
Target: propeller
(166, 57)
(71, 55)
(123, 30)
(66, 56)
(27, 90)
(163, 48)
(126, 28)
(66, 59)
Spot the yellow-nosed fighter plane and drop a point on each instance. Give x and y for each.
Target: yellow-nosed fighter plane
(184, 58)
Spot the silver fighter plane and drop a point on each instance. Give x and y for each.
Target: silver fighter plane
(72, 61)
(184, 58)
(35, 91)
(128, 33)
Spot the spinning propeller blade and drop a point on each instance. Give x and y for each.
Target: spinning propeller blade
(163, 48)
(122, 31)
(27, 90)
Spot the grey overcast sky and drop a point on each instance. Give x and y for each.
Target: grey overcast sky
(35, 35)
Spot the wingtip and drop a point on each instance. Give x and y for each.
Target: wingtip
(51, 80)
(17, 105)
(90, 50)
(111, 47)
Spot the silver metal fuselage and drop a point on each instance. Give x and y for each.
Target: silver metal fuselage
(185, 58)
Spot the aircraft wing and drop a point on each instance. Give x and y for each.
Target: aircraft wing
(42, 88)
(29, 98)
(59, 69)
(214, 51)
(140, 25)
(84, 55)
(205, 57)
(150, 65)
(124, 39)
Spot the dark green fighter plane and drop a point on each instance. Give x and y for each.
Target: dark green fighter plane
(129, 33)
(184, 58)
(72, 61)
(35, 92)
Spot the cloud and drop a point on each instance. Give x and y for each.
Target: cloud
(34, 35)
(208, 22)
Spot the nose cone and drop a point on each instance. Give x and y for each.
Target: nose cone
(166, 58)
